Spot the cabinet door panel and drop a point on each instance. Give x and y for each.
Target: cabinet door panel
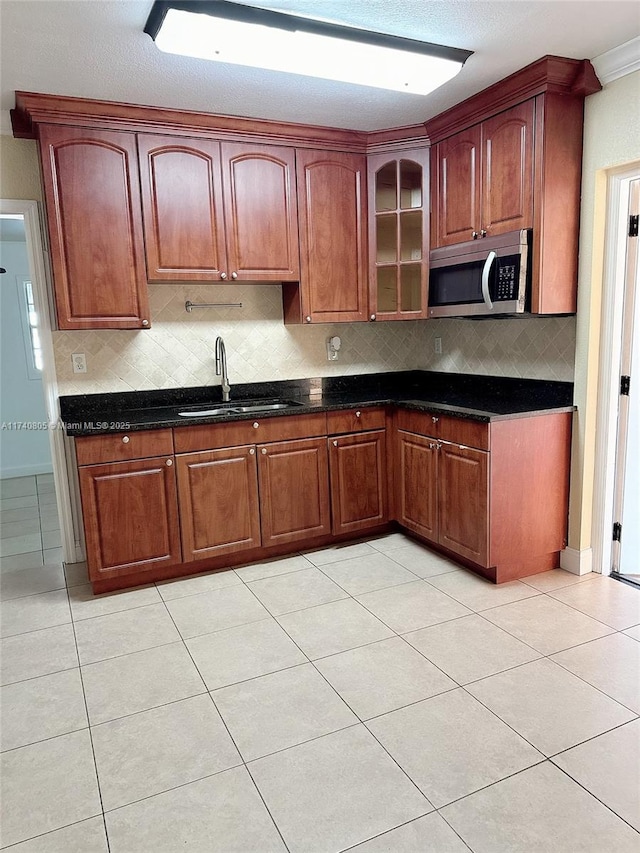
(182, 202)
(463, 488)
(93, 210)
(261, 212)
(332, 210)
(130, 516)
(294, 490)
(417, 504)
(218, 492)
(357, 466)
(457, 165)
(507, 170)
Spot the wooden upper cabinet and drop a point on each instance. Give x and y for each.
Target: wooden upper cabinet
(507, 170)
(398, 234)
(92, 195)
(261, 212)
(218, 211)
(456, 179)
(332, 212)
(183, 209)
(484, 178)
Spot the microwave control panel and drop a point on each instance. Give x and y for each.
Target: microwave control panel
(506, 283)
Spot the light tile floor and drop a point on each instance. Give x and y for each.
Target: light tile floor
(369, 698)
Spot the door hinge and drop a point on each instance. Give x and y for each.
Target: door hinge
(617, 532)
(625, 385)
(633, 225)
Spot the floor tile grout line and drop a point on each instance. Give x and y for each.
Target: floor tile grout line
(595, 797)
(14, 844)
(44, 739)
(93, 751)
(134, 652)
(393, 829)
(542, 760)
(593, 737)
(35, 677)
(224, 723)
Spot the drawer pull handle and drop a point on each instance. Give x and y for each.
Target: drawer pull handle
(169, 462)
(264, 451)
(358, 414)
(125, 439)
(256, 424)
(434, 419)
(252, 451)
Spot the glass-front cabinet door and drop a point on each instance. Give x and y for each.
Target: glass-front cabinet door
(398, 234)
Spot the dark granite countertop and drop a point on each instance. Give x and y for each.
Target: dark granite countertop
(480, 398)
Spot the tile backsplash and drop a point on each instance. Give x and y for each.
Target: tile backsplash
(178, 349)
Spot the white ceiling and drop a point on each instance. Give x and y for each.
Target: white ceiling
(97, 49)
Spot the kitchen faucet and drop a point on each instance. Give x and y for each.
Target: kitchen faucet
(221, 368)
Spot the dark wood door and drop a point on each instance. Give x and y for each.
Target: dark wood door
(416, 484)
(463, 501)
(294, 490)
(219, 510)
(332, 202)
(456, 164)
(92, 195)
(507, 170)
(358, 472)
(130, 516)
(261, 213)
(183, 208)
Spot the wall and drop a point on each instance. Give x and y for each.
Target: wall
(611, 138)
(19, 169)
(178, 349)
(22, 451)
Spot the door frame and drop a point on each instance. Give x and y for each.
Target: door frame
(618, 194)
(61, 448)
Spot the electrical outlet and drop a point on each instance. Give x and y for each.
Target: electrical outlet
(79, 362)
(437, 346)
(333, 347)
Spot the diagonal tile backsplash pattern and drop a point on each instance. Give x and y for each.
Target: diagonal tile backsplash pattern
(178, 349)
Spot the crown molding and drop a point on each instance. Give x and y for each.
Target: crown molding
(618, 62)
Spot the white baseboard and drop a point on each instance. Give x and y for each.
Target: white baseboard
(25, 471)
(577, 562)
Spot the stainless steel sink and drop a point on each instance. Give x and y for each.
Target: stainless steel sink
(240, 408)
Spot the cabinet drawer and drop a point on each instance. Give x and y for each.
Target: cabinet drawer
(94, 449)
(233, 434)
(355, 420)
(456, 430)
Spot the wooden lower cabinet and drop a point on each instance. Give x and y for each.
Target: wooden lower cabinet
(358, 473)
(130, 516)
(417, 500)
(219, 507)
(463, 501)
(294, 490)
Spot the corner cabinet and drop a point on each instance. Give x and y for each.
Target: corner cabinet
(92, 195)
(398, 234)
(218, 211)
(332, 207)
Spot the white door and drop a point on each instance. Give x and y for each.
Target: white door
(626, 550)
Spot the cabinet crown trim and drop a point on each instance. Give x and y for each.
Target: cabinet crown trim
(557, 74)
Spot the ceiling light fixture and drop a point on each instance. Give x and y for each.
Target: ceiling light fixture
(259, 38)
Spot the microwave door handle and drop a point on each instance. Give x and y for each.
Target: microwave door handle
(491, 257)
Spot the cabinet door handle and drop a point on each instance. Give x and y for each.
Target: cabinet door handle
(434, 419)
(223, 275)
(335, 443)
(169, 462)
(234, 275)
(483, 233)
(372, 317)
(125, 439)
(145, 322)
(433, 445)
(358, 414)
(264, 451)
(256, 424)
(252, 451)
(307, 319)
(474, 235)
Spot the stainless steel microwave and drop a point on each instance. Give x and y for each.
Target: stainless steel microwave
(486, 277)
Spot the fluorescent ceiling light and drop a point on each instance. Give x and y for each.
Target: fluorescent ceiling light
(259, 38)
